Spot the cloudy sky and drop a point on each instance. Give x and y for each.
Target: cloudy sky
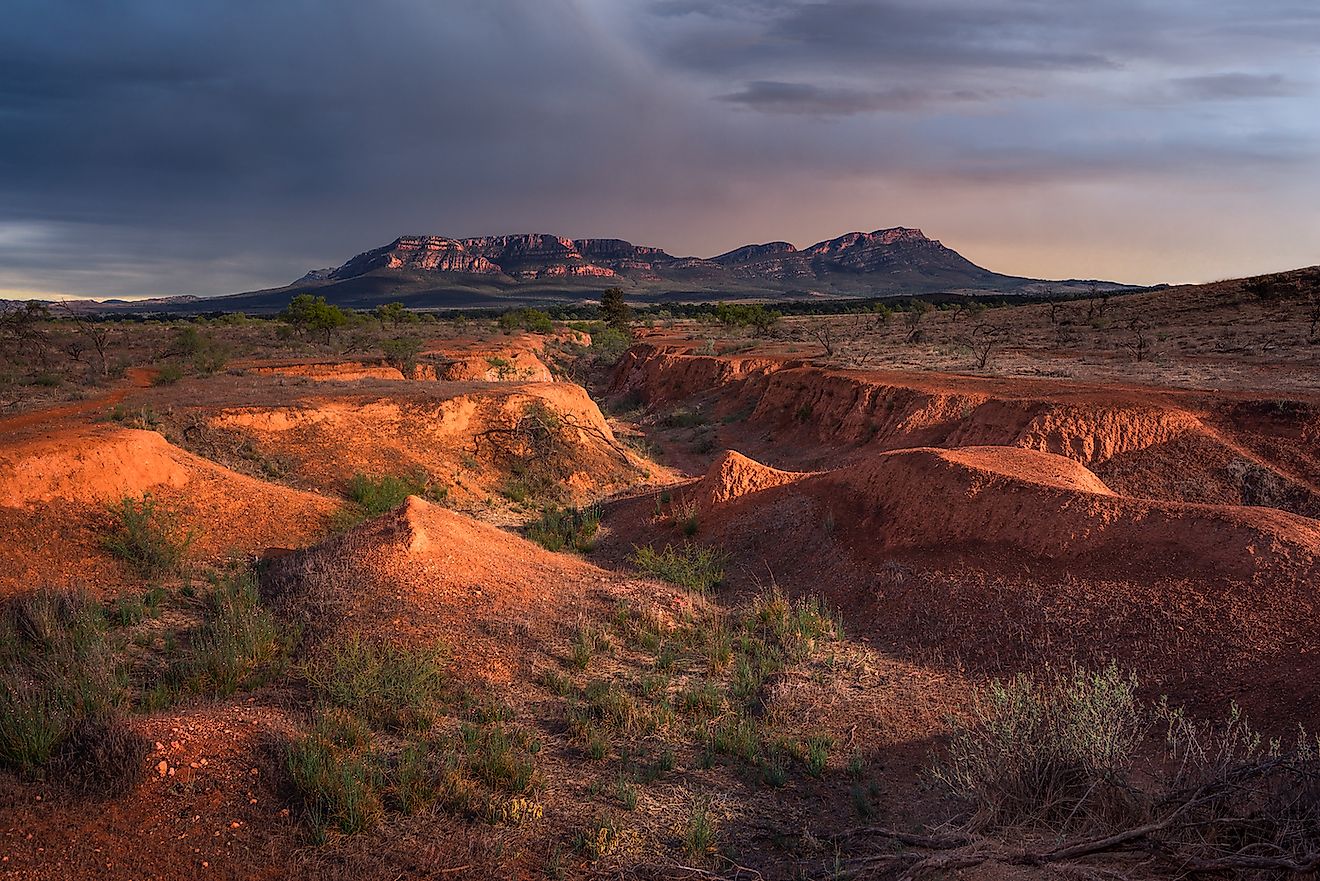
(156, 147)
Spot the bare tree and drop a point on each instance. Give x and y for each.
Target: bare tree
(1138, 343)
(983, 340)
(95, 333)
(22, 332)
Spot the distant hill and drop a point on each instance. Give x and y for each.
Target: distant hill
(496, 271)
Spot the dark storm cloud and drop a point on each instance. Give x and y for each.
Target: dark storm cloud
(152, 146)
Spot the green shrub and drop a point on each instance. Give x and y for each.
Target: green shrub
(533, 320)
(402, 353)
(148, 536)
(237, 646)
(388, 686)
(57, 671)
(560, 528)
(168, 374)
(697, 568)
(609, 344)
(373, 496)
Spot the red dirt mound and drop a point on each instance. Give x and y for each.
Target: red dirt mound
(1001, 554)
(733, 475)
(457, 436)
(56, 491)
(423, 573)
(796, 415)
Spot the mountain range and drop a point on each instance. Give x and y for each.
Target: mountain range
(427, 271)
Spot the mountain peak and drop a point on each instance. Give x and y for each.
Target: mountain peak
(893, 260)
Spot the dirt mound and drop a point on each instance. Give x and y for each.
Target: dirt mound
(423, 573)
(498, 365)
(56, 492)
(800, 416)
(1052, 508)
(733, 475)
(98, 465)
(464, 439)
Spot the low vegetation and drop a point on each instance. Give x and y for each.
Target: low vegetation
(376, 745)
(696, 567)
(148, 536)
(571, 528)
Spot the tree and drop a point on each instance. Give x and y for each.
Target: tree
(395, 313)
(616, 313)
(915, 313)
(307, 313)
(402, 354)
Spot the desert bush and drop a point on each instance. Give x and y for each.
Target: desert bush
(237, 646)
(402, 353)
(389, 687)
(57, 671)
(1051, 750)
(693, 566)
(375, 495)
(560, 528)
(101, 755)
(608, 345)
(168, 374)
(148, 536)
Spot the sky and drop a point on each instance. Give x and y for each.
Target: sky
(153, 147)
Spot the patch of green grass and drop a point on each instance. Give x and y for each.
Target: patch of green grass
(58, 670)
(699, 837)
(238, 645)
(587, 641)
(560, 528)
(388, 686)
(697, 568)
(335, 784)
(148, 536)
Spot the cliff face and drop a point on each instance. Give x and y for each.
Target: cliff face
(891, 260)
(522, 257)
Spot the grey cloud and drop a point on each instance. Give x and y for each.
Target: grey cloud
(152, 146)
(1235, 86)
(807, 99)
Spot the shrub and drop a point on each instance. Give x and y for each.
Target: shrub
(697, 568)
(168, 374)
(373, 496)
(387, 686)
(101, 755)
(57, 670)
(1052, 750)
(559, 528)
(148, 536)
(609, 344)
(236, 647)
(402, 353)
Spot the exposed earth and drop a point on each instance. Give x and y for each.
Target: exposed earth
(892, 514)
